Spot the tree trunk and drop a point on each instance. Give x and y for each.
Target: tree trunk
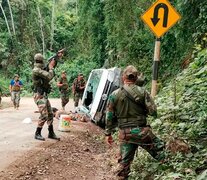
(41, 29)
(52, 26)
(7, 24)
(12, 19)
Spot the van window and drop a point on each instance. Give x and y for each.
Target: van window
(92, 86)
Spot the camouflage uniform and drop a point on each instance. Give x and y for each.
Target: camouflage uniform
(64, 91)
(132, 124)
(78, 89)
(41, 88)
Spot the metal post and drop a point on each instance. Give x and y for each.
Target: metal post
(155, 67)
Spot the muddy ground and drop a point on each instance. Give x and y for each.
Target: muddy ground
(80, 155)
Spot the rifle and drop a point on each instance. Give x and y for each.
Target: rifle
(56, 58)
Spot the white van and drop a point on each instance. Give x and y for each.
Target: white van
(100, 84)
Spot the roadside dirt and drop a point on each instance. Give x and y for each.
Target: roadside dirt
(80, 155)
(4, 105)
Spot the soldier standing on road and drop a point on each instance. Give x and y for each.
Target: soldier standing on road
(131, 104)
(64, 89)
(41, 87)
(15, 90)
(78, 88)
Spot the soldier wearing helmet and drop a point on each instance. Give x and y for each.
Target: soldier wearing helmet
(131, 104)
(41, 87)
(38, 58)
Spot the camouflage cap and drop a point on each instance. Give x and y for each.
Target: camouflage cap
(80, 74)
(130, 71)
(38, 57)
(63, 72)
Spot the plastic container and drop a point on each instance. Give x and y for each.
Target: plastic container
(64, 123)
(82, 110)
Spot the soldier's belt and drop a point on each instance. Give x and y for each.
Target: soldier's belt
(137, 118)
(143, 134)
(132, 121)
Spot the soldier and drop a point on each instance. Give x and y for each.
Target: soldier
(64, 89)
(131, 104)
(41, 88)
(78, 88)
(15, 89)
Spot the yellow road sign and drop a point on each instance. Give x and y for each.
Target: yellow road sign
(160, 17)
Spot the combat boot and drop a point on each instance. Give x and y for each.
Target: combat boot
(51, 134)
(38, 135)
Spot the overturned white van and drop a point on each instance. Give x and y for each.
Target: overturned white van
(100, 84)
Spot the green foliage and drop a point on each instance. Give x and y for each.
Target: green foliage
(130, 42)
(64, 33)
(106, 33)
(109, 33)
(90, 31)
(4, 84)
(182, 113)
(17, 52)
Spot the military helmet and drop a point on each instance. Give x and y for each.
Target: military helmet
(130, 72)
(38, 57)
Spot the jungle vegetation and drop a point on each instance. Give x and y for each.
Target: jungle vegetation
(107, 33)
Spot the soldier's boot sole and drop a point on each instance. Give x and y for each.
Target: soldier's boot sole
(38, 137)
(54, 137)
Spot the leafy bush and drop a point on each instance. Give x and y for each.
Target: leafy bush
(182, 108)
(4, 85)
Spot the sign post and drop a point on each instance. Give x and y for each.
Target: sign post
(155, 67)
(160, 17)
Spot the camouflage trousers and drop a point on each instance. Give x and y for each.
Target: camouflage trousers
(130, 140)
(44, 108)
(64, 98)
(77, 97)
(15, 97)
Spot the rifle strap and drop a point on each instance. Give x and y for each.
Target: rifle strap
(132, 96)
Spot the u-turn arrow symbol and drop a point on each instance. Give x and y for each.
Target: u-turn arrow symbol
(155, 18)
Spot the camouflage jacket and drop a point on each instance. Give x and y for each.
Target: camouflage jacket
(128, 113)
(41, 78)
(65, 86)
(77, 84)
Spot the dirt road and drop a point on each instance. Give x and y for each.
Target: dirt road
(81, 153)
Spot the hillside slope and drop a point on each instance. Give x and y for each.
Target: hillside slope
(182, 123)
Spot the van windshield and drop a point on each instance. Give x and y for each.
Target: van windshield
(95, 79)
(92, 86)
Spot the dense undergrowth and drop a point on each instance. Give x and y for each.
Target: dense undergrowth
(182, 108)
(4, 85)
(108, 33)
